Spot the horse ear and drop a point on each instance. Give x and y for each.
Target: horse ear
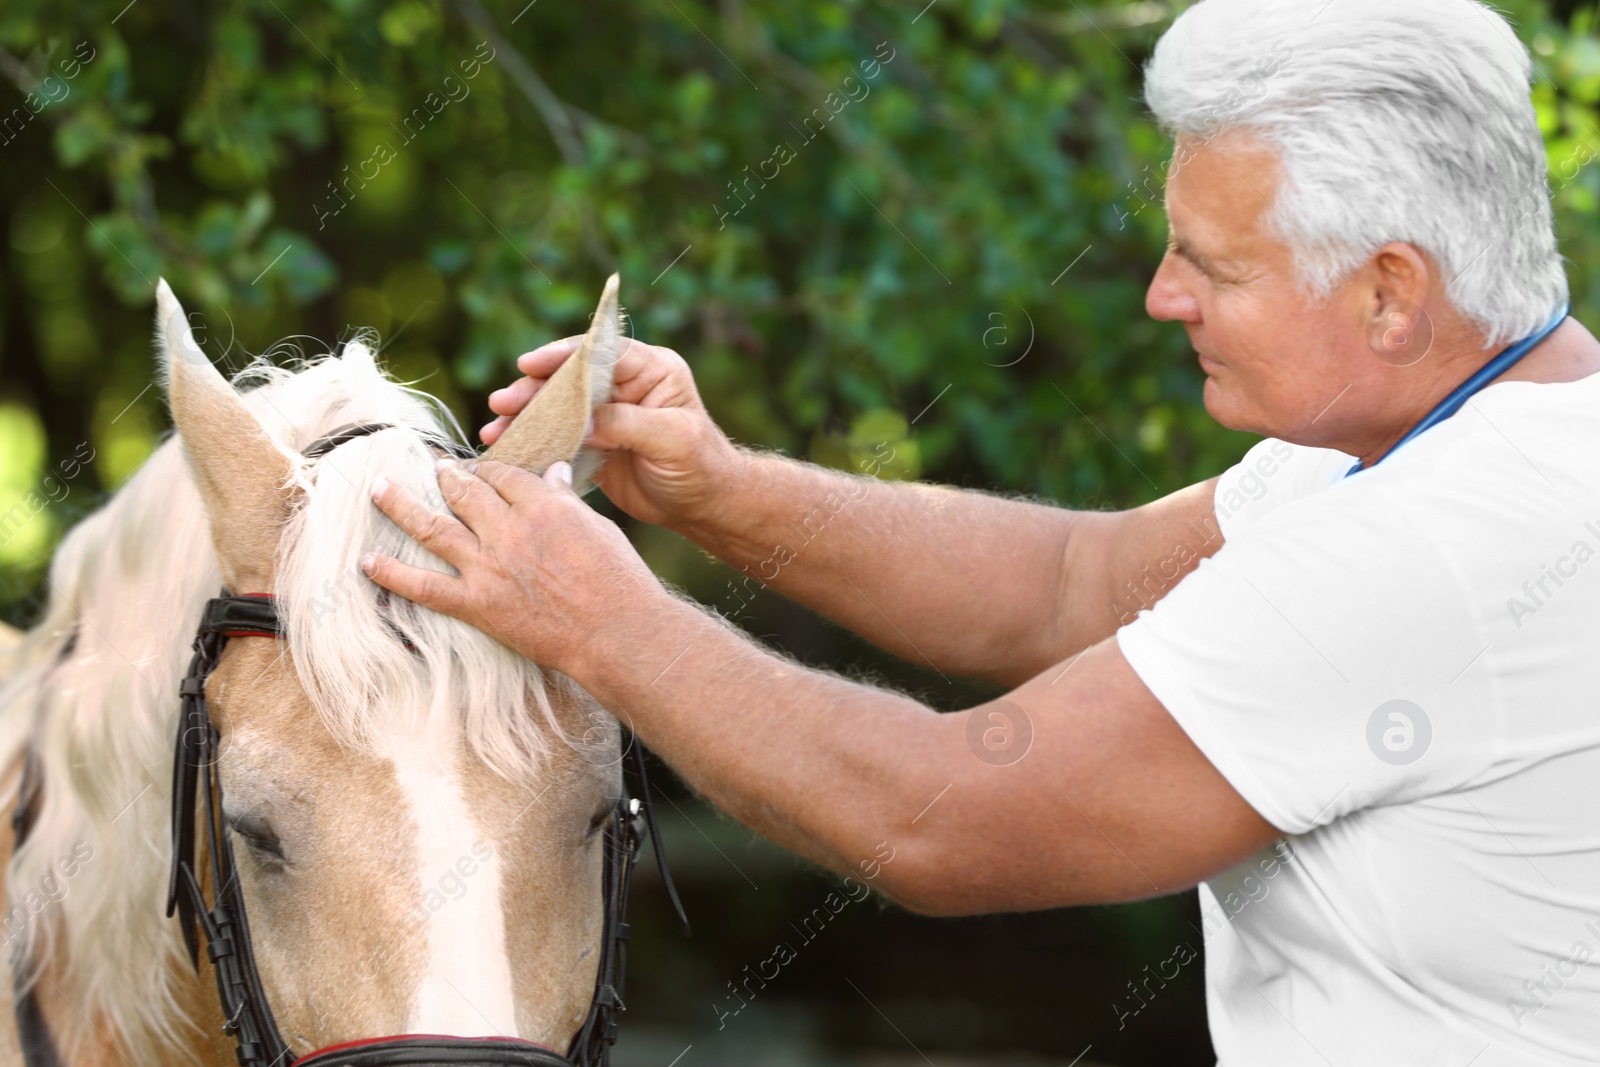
(245, 479)
(553, 424)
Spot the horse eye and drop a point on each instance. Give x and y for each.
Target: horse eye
(601, 820)
(258, 835)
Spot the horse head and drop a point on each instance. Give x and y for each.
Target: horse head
(419, 816)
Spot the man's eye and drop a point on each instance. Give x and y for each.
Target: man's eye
(1185, 260)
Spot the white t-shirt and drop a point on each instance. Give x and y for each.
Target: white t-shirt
(1401, 671)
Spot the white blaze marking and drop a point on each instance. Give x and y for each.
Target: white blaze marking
(466, 990)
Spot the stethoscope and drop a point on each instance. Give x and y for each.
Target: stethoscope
(1486, 374)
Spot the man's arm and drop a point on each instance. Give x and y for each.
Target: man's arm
(972, 583)
(1108, 800)
(965, 582)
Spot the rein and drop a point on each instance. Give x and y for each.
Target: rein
(197, 809)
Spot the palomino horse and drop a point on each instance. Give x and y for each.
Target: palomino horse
(419, 815)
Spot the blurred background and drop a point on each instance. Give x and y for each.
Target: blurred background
(926, 224)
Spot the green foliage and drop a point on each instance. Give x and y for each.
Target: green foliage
(834, 210)
(861, 222)
(846, 215)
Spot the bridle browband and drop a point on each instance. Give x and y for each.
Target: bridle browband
(197, 808)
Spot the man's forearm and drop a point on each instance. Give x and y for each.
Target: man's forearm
(959, 581)
(831, 769)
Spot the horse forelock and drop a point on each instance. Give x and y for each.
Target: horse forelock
(93, 686)
(369, 662)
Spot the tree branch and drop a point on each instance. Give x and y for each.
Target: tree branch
(17, 72)
(557, 119)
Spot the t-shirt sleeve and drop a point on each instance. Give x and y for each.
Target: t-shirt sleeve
(1271, 474)
(1311, 660)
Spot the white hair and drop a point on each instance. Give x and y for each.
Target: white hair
(1395, 121)
(95, 682)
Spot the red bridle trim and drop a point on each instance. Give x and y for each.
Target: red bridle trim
(253, 633)
(414, 1037)
(270, 633)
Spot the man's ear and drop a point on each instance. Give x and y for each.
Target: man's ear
(553, 425)
(245, 478)
(1399, 330)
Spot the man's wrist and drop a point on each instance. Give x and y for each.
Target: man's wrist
(730, 474)
(610, 656)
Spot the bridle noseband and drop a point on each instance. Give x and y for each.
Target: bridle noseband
(197, 795)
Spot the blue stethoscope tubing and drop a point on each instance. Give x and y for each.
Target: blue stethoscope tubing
(1463, 392)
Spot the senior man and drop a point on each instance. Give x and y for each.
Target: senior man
(1365, 725)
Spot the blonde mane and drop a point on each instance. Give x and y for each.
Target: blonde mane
(93, 687)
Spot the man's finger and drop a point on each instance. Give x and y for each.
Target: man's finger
(543, 361)
(473, 501)
(654, 432)
(439, 532)
(514, 397)
(429, 588)
(559, 475)
(514, 484)
(632, 358)
(491, 432)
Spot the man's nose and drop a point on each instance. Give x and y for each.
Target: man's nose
(1168, 299)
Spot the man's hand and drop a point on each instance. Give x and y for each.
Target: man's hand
(539, 570)
(666, 457)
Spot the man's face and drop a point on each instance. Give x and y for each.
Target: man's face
(1275, 362)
